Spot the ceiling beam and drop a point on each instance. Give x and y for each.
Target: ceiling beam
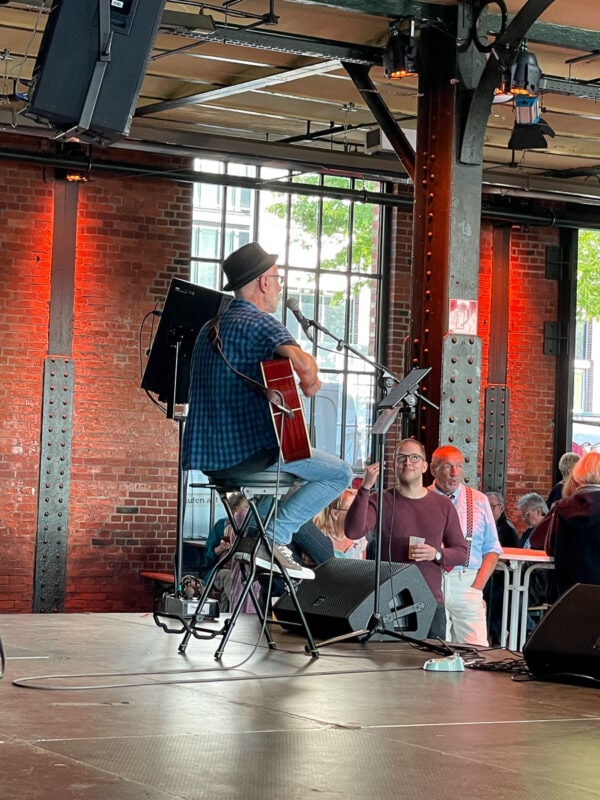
(210, 96)
(539, 33)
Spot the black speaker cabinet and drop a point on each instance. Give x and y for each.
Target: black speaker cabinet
(566, 643)
(341, 599)
(68, 53)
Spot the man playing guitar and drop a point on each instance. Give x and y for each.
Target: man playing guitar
(229, 425)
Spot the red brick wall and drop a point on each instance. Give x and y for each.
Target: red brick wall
(400, 290)
(132, 235)
(531, 374)
(26, 212)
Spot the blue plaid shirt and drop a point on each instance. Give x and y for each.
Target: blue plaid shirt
(228, 421)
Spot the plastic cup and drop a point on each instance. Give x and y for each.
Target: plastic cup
(412, 541)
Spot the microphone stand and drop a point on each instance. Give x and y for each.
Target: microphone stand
(386, 376)
(389, 408)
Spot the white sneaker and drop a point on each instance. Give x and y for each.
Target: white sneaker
(284, 557)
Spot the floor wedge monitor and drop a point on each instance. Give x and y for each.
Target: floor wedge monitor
(566, 643)
(340, 599)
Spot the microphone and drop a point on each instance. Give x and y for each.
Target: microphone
(306, 324)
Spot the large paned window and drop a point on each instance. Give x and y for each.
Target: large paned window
(328, 246)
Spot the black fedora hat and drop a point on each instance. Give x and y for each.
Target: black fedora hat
(246, 264)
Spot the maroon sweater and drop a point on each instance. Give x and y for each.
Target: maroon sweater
(433, 517)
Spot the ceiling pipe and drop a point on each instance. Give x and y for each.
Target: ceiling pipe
(573, 217)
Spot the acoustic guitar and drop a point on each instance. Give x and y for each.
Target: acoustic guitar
(291, 431)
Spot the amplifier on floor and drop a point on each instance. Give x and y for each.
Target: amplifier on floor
(341, 599)
(566, 643)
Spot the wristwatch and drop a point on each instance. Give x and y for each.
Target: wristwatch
(438, 557)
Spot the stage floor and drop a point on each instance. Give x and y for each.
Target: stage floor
(362, 721)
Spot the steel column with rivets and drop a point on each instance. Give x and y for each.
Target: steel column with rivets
(49, 586)
(446, 234)
(53, 504)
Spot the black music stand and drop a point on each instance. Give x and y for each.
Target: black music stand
(187, 308)
(388, 407)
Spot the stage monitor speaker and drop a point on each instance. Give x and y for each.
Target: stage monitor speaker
(341, 599)
(64, 74)
(566, 643)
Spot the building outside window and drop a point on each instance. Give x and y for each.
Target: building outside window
(586, 367)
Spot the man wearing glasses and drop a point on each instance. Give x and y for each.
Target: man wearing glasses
(464, 584)
(229, 427)
(411, 511)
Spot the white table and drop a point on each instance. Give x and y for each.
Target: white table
(517, 564)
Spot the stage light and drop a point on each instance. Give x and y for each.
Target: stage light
(527, 110)
(71, 175)
(78, 171)
(530, 136)
(502, 93)
(530, 129)
(401, 56)
(525, 74)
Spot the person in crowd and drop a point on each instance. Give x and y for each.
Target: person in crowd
(229, 425)
(542, 583)
(565, 464)
(463, 585)
(571, 531)
(493, 593)
(410, 510)
(507, 533)
(533, 508)
(331, 522)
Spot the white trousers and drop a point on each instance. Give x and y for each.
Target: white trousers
(466, 621)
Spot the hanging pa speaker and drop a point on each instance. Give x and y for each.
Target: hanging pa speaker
(566, 643)
(341, 599)
(93, 57)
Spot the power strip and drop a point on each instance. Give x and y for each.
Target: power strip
(182, 607)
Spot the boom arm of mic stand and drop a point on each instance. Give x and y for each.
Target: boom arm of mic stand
(347, 346)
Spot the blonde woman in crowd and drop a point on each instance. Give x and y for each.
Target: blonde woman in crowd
(571, 531)
(331, 522)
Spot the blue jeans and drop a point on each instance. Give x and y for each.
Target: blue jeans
(325, 478)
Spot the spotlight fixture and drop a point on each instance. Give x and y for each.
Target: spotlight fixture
(525, 74)
(71, 175)
(80, 166)
(529, 129)
(401, 56)
(527, 110)
(530, 137)
(502, 93)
